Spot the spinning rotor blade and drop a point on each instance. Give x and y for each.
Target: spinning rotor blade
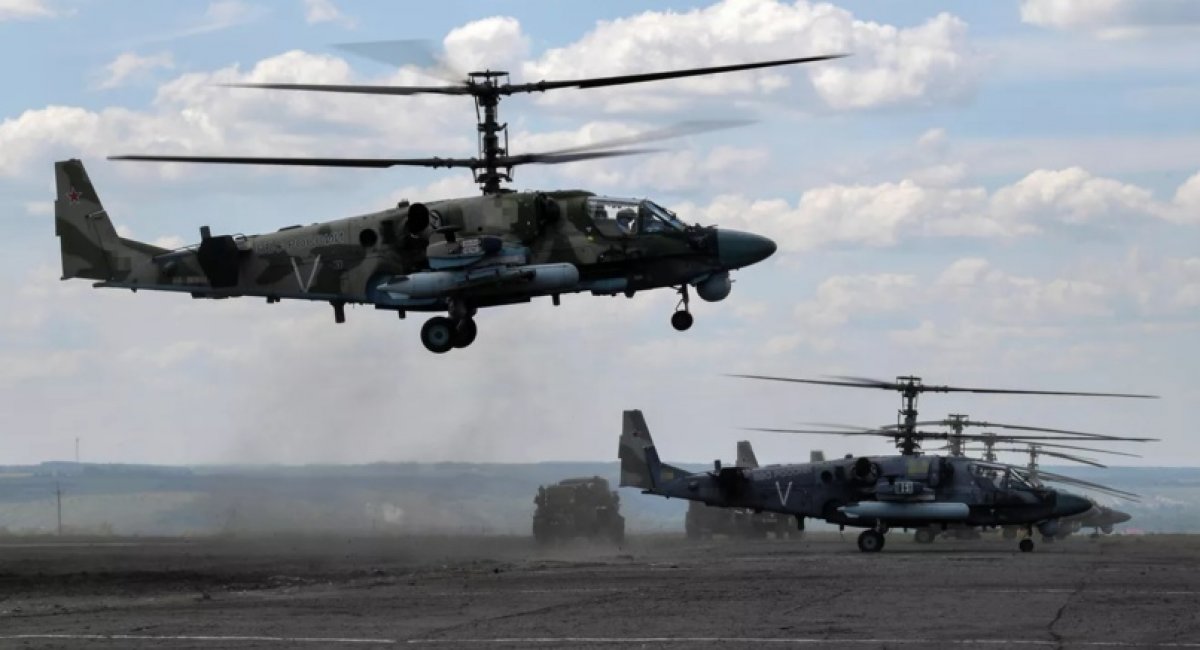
(1067, 480)
(1098, 451)
(381, 163)
(472, 88)
(554, 158)
(863, 382)
(922, 435)
(311, 162)
(1018, 427)
(1055, 454)
(418, 53)
(824, 382)
(461, 89)
(665, 133)
(620, 80)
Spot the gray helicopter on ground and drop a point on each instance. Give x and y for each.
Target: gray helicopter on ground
(1100, 517)
(876, 493)
(907, 437)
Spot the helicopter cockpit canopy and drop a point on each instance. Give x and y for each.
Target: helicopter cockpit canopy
(630, 217)
(998, 476)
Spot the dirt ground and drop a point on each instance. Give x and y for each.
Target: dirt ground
(654, 591)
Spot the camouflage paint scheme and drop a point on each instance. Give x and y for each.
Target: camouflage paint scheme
(346, 260)
(876, 493)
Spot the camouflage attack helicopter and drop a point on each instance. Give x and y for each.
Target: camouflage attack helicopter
(907, 437)
(454, 255)
(910, 490)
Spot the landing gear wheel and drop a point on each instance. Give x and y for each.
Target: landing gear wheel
(438, 334)
(870, 541)
(682, 319)
(1026, 545)
(924, 536)
(464, 333)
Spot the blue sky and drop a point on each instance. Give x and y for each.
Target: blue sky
(987, 193)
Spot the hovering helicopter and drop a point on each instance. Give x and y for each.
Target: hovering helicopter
(453, 255)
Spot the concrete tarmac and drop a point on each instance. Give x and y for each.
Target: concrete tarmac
(656, 591)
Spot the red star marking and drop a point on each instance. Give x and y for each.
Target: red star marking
(73, 195)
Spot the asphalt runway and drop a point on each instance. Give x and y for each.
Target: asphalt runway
(1115, 592)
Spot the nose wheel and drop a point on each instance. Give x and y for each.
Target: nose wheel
(1026, 545)
(682, 319)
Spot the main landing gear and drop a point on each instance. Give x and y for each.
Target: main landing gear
(682, 319)
(1026, 544)
(871, 541)
(440, 334)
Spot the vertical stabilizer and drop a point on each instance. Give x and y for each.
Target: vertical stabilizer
(745, 455)
(90, 245)
(640, 466)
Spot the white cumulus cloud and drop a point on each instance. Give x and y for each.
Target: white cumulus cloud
(24, 10)
(929, 63)
(1112, 18)
(325, 11)
(130, 65)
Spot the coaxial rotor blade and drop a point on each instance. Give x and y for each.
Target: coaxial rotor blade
(848, 427)
(885, 434)
(1020, 427)
(1059, 478)
(560, 157)
(489, 89)
(419, 53)
(941, 435)
(1014, 427)
(1077, 459)
(312, 162)
(1055, 454)
(360, 89)
(823, 382)
(680, 130)
(1075, 435)
(381, 163)
(620, 80)
(863, 382)
(1011, 391)
(1093, 449)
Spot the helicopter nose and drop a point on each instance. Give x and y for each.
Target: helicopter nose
(1119, 517)
(736, 249)
(1067, 504)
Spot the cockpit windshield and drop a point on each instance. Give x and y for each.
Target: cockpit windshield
(661, 218)
(1017, 481)
(631, 216)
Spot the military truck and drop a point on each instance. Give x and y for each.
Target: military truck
(705, 521)
(578, 507)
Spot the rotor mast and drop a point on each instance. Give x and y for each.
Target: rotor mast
(486, 91)
(910, 389)
(956, 422)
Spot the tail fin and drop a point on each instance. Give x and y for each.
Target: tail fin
(745, 455)
(91, 247)
(816, 456)
(640, 466)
